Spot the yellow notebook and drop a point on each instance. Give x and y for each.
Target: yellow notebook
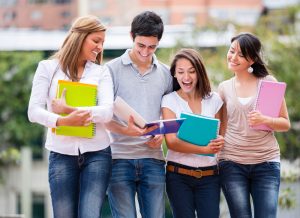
(77, 95)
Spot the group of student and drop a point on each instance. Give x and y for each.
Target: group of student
(122, 162)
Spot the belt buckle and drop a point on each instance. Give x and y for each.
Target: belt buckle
(198, 176)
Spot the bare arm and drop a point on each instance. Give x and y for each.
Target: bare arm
(279, 124)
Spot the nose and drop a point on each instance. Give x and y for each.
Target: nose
(234, 56)
(145, 51)
(100, 46)
(186, 75)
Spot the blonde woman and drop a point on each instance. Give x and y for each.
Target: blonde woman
(79, 168)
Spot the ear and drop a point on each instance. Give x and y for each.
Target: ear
(131, 35)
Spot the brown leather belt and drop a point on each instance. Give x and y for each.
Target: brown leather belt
(195, 173)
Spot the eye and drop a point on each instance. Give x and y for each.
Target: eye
(141, 45)
(152, 46)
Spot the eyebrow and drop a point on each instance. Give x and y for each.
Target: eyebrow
(154, 45)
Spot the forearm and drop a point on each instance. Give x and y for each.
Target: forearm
(115, 127)
(185, 147)
(101, 114)
(278, 124)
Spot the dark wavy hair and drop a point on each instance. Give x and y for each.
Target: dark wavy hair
(203, 86)
(251, 49)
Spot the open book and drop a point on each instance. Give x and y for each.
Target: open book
(198, 129)
(269, 100)
(124, 111)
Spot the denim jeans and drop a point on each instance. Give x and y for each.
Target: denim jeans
(260, 181)
(78, 184)
(146, 177)
(188, 194)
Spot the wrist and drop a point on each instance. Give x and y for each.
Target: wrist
(61, 121)
(69, 109)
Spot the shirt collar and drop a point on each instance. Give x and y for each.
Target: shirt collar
(126, 60)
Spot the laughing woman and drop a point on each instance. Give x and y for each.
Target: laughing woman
(192, 180)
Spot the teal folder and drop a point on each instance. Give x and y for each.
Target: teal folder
(198, 129)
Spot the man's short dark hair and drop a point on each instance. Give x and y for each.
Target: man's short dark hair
(147, 23)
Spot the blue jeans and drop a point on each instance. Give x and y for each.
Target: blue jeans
(260, 181)
(146, 177)
(188, 194)
(78, 184)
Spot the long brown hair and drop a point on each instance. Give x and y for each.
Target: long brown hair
(203, 86)
(68, 54)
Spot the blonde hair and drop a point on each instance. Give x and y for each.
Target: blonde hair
(68, 54)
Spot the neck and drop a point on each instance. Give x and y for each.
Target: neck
(191, 96)
(244, 77)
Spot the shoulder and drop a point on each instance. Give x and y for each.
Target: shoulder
(226, 82)
(49, 63)
(113, 61)
(169, 97)
(270, 78)
(47, 67)
(165, 69)
(214, 97)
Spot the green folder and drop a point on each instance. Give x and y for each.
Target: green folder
(198, 129)
(77, 95)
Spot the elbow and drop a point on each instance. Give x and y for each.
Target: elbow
(30, 115)
(171, 144)
(288, 127)
(108, 117)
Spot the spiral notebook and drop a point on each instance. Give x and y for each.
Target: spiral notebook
(198, 129)
(269, 100)
(77, 95)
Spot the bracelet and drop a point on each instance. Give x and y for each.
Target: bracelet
(273, 121)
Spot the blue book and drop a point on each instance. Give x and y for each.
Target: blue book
(198, 129)
(165, 126)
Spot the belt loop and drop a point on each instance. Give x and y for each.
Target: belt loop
(175, 169)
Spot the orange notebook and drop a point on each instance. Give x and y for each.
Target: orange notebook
(269, 99)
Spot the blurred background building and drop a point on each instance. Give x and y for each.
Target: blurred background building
(58, 14)
(42, 24)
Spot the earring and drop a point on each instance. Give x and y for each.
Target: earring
(250, 70)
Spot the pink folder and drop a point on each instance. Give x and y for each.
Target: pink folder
(269, 99)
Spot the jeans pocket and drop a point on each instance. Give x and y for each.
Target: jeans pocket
(273, 165)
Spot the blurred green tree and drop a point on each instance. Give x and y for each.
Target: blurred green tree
(16, 73)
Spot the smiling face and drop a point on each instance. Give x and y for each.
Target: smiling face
(186, 75)
(92, 46)
(144, 48)
(236, 61)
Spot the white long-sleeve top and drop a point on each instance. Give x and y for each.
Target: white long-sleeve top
(44, 91)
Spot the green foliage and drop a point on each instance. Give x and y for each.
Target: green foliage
(16, 73)
(287, 198)
(282, 49)
(8, 156)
